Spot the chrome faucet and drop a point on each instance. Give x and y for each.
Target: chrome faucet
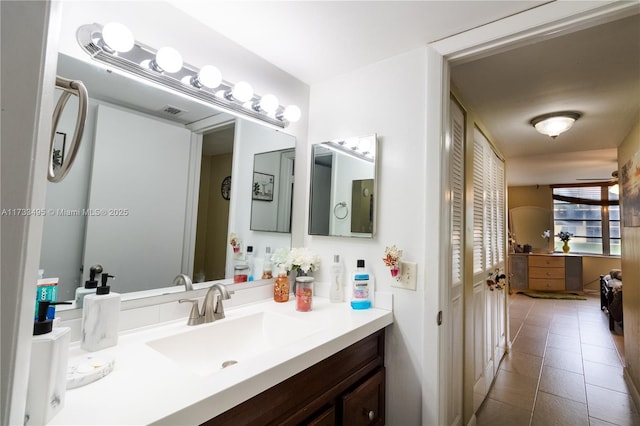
(183, 279)
(212, 308)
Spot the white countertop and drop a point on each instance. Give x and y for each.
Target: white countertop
(146, 387)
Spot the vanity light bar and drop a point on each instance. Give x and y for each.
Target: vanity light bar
(143, 61)
(355, 149)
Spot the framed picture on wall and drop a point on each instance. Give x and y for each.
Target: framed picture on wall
(262, 187)
(630, 183)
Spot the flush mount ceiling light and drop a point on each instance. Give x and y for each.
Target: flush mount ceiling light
(555, 123)
(115, 46)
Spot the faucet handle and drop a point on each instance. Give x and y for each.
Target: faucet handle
(194, 317)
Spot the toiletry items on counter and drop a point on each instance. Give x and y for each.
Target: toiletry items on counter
(336, 292)
(267, 267)
(304, 294)
(47, 368)
(250, 260)
(47, 290)
(361, 287)
(89, 286)
(100, 318)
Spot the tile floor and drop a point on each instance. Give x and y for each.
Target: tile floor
(564, 368)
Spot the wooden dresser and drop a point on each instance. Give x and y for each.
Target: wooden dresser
(545, 272)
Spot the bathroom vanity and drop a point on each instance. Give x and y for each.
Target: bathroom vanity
(288, 367)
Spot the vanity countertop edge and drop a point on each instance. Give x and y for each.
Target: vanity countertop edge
(147, 388)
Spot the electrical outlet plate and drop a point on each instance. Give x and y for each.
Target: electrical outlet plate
(408, 276)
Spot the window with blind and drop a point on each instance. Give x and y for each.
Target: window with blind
(592, 214)
(488, 206)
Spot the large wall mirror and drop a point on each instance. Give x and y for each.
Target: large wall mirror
(159, 183)
(343, 188)
(527, 225)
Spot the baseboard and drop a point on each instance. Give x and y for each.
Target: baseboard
(635, 395)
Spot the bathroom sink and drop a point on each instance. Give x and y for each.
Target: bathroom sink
(208, 348)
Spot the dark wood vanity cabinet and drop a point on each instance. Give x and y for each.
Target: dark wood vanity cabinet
(348, 388)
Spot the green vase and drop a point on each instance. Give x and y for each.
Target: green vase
(565, 247)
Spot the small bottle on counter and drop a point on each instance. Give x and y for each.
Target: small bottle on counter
(89, 286)
(250, 263)
(267, 267)
(336, 292)
(360, 291)
(100, 318)
(281, 286)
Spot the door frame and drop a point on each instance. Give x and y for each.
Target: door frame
(543, 22)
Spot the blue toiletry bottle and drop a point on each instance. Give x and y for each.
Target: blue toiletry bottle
(360, 287)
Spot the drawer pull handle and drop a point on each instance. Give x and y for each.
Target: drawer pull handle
(372, 415)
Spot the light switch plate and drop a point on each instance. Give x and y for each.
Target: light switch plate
(408, 276)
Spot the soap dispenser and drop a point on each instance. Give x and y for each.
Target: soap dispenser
(47, 368)
(89, 286)
(100, 318)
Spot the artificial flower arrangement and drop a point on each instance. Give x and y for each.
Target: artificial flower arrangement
(496, 280)
(234, 241)
(564, 236)
(391, 259)
(297, 259)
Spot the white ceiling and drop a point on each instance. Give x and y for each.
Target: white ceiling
(595, 71)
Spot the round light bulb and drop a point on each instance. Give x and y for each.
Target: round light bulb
(118, 37)
(210, 76)
(292, 113)
(269, 103)
(169, 59)
(242, 91)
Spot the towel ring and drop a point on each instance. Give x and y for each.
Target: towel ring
(346, 210)
(69, 87)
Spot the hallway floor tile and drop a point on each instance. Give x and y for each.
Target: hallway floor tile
(564, 368)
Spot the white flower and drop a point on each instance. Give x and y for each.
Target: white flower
(279, 258)
(546, 234)
(303, 259)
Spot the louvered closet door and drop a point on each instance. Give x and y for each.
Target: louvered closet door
(488, 250)
(453, 325)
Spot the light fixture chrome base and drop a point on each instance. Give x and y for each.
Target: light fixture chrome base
(89, 38)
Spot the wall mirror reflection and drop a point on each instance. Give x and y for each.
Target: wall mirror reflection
(272, 190)
(527, 225)
(151, 194)
(343, 187)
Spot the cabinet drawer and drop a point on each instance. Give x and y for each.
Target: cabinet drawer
(546, 273)
(546, 284)
(546, 261)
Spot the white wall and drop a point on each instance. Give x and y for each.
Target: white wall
(388, 98)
